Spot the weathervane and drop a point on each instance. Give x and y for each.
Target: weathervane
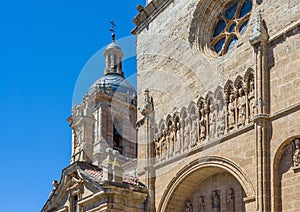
(113, 25)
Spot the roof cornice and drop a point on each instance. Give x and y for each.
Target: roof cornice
(148, 14)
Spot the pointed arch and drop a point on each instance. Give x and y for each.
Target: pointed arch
(239, 82)
(183, 113)
(162, 125)
(219, 95)
(249, 78)
(210, 99)
(192, 108)
(249, 75)
(200, 101)
(176, 117)
(169, 120)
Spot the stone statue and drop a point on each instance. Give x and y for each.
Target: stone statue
(187, 130)
(230, 201)
(231, 112)
(194, 131)
(241, 108)
(212, 121)
(221, 120)
(163, 144)
(296, 155)
(215, 201)
(188, 206)
(172, 139)
(147, 107)
(157, 150)
(201, 204)
(178, 137)
(202, 123)
(181, 145)
(251, 100)
(168, 141)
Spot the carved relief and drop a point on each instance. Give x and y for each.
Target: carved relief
(231, 112)
(187, 130)
(241, 106)
(188, 206)
(215, 199)
(212, 121)
(221, 120)
(251, 100)
(215, 115)
(202, 123)
(201, 204)
(230, 201)
(296, 154)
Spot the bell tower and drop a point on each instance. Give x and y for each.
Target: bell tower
(106, 116)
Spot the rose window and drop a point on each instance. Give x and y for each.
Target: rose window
(229, 27)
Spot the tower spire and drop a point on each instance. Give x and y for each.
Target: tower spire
(113, 54)
(112, 29)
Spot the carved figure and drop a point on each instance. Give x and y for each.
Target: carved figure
(187, 130)
(231, 112)
(168, 141)
(221, 121)
(296, 155)
(212, 122)
(241, 108)
(181, 145)
(202, 125)
(188, 206)
(194, 131)
(178, 137)
(163, 144)
(215, 201)
(172, 139)
(251, 99)
(201, 204)
(147, 107)
(230, 205)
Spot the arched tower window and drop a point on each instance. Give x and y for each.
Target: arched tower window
(117, 139)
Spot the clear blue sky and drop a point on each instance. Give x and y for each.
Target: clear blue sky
(44, 47)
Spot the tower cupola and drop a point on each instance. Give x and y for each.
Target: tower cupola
(113, 56)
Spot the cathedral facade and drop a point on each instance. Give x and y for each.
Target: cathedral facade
(223, 80)
(216, 125)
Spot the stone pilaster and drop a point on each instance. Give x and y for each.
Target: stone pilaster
(258, 39)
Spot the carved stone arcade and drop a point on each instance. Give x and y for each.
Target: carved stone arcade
(219, 113)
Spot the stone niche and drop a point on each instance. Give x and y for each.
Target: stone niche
(288, 177)
(218, 193)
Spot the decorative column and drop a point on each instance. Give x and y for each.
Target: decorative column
(147, 110)
(258, 39)
(226, 113)
(247, 118)
(206, 108)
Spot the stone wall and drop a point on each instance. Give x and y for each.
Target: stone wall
(179, 68)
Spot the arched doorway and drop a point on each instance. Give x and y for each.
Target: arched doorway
(210, 184)
(286, 171)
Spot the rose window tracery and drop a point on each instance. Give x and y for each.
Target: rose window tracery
(229, 27)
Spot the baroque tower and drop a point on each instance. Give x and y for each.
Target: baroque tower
(107, 114)
(102, 170)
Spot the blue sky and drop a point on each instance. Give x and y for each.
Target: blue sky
(45, 45)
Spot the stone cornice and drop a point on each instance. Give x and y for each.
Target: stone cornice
(148, 14)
